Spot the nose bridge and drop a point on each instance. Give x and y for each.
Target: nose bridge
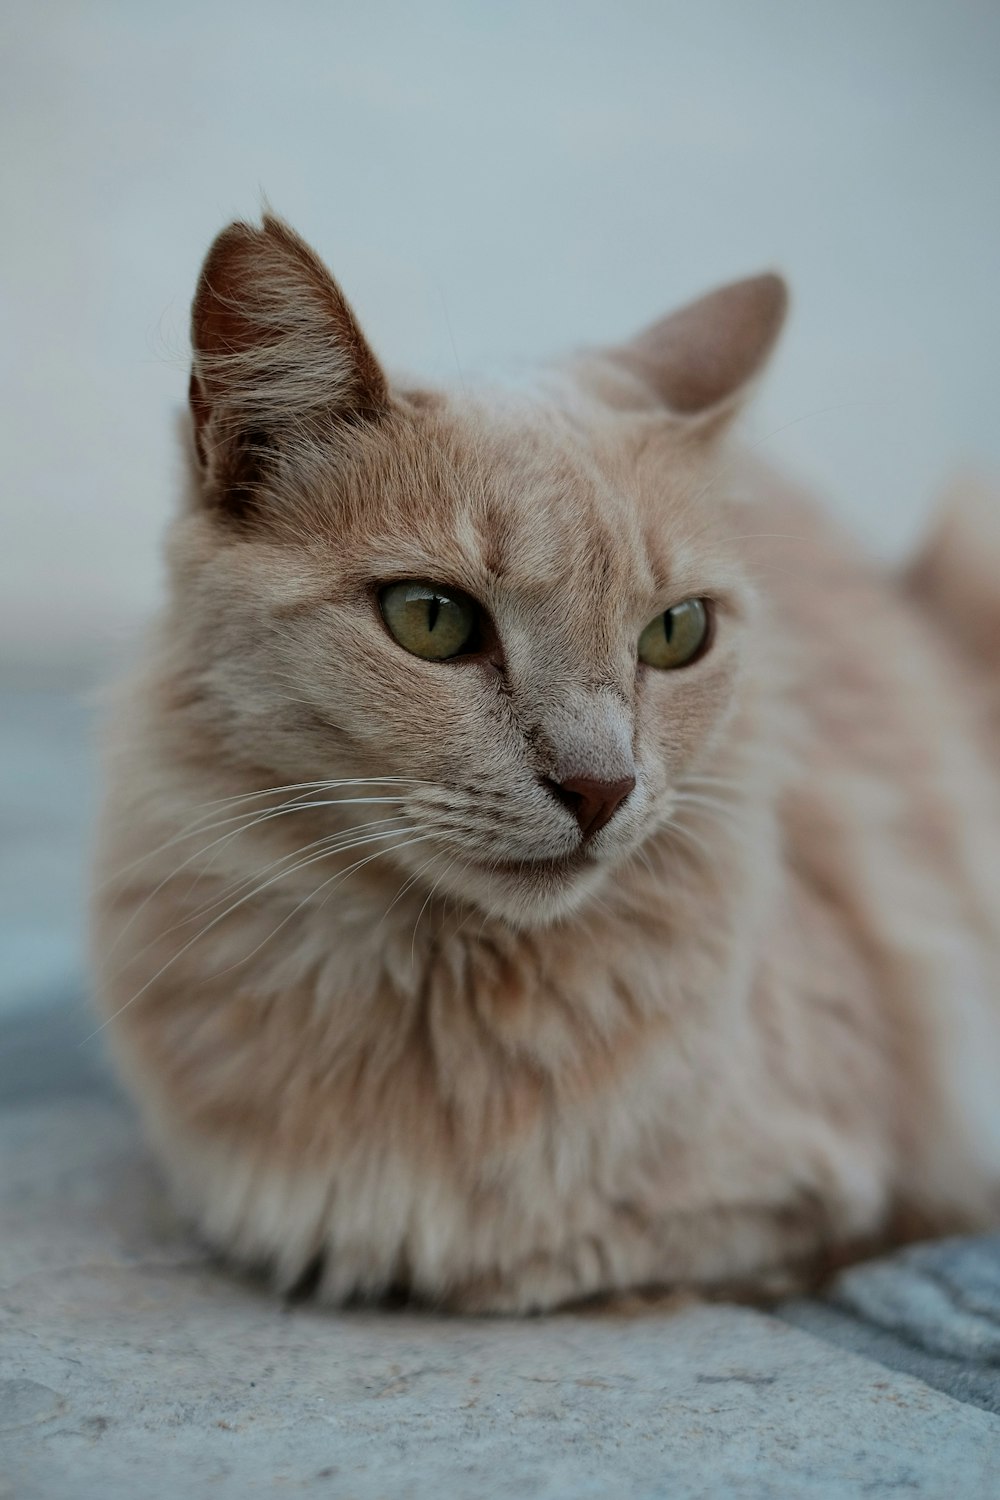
(588, 734)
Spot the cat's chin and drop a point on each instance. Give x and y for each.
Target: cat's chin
(526, 893)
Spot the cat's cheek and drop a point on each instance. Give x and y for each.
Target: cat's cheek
(682, 720)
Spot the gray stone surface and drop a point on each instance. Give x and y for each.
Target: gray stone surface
(964, 1380)
(131, 1366)
(932, 1310)
(943, 1297)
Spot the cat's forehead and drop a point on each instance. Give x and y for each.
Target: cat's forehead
(534, 491)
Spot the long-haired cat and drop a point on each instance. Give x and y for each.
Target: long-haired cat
(541, 856)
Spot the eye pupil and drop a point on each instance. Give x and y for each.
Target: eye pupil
(676, 637)
(430, 621)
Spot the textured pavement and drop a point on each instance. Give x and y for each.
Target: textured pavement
(132, 1366)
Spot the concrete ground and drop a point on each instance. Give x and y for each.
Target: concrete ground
(132, 1366)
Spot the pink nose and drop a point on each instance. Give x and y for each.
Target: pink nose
(593, 803)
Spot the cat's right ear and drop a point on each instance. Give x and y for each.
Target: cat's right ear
(702, 360)
(278, 358)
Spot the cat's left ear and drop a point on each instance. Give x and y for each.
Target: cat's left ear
(702, 360)
(279, 359)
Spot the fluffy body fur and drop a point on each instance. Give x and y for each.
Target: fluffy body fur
(391, 1021)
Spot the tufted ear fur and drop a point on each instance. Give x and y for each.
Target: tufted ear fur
(278, 358)
(701, 359)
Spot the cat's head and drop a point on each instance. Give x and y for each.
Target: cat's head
(517, 607)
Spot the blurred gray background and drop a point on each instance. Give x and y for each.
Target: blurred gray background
(490, 182)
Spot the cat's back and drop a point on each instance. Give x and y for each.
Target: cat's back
(891, 817)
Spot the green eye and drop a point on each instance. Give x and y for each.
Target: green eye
(676, 637)
(429, 621)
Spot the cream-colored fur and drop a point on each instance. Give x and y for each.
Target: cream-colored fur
(751, 1026)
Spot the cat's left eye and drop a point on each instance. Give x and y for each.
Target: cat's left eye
(677, 637)
(430, 621)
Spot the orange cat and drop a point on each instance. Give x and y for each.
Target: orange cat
(541, 856)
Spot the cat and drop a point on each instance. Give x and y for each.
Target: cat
(542, 857)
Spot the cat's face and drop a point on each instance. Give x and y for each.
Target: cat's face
(520, 610)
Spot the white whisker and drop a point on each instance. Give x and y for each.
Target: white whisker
(311, 896)
(198, 825)
(429, 897)
(255, 821)
(228, 912)
(333, 844)
(685, 832)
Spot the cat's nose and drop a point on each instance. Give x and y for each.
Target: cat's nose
(593, 803)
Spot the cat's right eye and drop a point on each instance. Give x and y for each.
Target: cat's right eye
(677, 637)
(430, 621)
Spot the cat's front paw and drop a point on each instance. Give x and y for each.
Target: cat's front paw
(538, 1284)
